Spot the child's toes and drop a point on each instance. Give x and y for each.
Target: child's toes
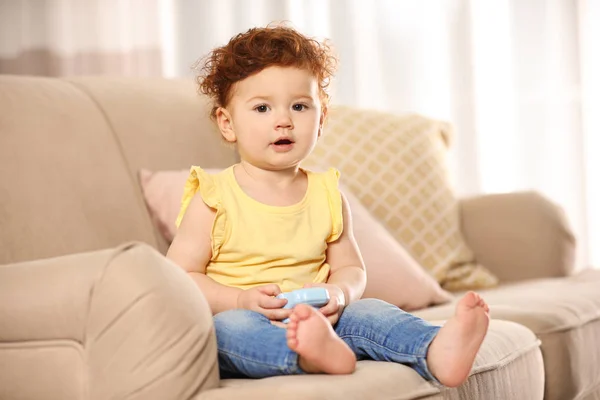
(292, 343)
(290, 333)
(302, 311)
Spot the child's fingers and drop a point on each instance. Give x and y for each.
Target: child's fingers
(271, 302)
(279, 324)
(277, 314)
(330, 308)
(270, 290)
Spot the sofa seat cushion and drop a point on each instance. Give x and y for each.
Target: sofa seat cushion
(509, 362)
(565, 314)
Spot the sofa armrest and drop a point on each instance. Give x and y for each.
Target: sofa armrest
(518, 235)
(119, 323)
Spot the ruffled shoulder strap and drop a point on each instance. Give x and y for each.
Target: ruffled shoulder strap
(199, 181)
(331, 179)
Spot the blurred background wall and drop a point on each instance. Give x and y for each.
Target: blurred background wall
(519, 79)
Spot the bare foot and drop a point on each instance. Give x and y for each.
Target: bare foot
(321, 351)
(453, 350)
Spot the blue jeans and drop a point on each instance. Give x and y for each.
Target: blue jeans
(251, 347)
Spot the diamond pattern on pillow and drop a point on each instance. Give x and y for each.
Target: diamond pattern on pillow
(396, 166)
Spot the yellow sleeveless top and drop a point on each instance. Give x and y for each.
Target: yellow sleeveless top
(255, 244)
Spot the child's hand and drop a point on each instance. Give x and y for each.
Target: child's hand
(261, 299)
(337, 301)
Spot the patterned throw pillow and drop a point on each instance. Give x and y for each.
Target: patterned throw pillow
(396, 166)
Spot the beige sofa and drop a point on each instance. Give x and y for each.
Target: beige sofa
(87, 314)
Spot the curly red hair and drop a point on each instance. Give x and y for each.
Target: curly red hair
(250, 52)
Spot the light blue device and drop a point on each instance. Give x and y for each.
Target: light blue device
(316, 297)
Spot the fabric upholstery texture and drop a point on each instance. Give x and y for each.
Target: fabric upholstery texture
(67, 185)
(499, 228)
(565, 314)
(121, 323)
(396, 166)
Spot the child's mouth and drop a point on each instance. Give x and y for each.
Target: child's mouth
(283, 145)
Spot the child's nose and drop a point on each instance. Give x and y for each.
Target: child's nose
(284, 121)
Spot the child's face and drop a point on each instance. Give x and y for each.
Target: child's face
(275, 117)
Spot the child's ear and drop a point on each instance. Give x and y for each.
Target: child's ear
(322, 120)
(225, 124)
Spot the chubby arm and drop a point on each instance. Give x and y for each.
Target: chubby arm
(191, 250)
(347, 267)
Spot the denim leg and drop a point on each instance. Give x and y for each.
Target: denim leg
(250, 346)
(381, 331)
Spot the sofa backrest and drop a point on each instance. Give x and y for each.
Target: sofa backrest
(70, 150)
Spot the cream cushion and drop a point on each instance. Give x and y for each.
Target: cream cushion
(119, 323)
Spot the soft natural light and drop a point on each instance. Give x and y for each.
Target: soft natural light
(167, 37)
(525, 86)
(313, 19)
(494, 95)
(367, 58)
(589, 12)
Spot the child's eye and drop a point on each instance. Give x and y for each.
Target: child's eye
(262, 108)
(299, 107)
